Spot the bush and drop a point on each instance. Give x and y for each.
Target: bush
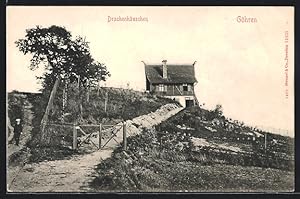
(42, 153)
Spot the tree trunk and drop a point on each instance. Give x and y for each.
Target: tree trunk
(45, 138)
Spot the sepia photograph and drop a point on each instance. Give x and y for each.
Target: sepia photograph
(150, 99)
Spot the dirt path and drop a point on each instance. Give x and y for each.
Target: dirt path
(73, 175)
(26, 133)
(13, 170)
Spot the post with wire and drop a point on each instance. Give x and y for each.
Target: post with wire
(74, 137)
(124, 137)
(100, 135)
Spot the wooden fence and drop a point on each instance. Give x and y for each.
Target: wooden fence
(77, 135)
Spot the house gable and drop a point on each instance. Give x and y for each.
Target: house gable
(174, 81)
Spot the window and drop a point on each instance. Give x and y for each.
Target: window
(185, 87)
(189, 87)
(166, 88)
(161, 87)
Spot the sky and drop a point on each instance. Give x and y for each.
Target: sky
(239, 65)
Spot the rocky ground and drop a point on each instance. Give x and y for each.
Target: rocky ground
(75, 174)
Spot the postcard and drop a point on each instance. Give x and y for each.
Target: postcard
(150, 99)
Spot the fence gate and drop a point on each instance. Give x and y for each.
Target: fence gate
(96, 137)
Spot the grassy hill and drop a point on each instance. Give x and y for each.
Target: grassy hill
(198, 150)
(221, 135)
(121, 104)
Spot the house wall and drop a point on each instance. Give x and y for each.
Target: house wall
(182, 99)
(152, 88)
(172, 90)
(147, 85)
(175, 92)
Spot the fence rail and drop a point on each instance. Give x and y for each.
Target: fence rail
(240, 153)
(59, 124)
(79, 134)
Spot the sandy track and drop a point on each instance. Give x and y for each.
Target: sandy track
(74, 174)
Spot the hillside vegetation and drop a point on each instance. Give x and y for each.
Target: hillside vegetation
(200, 150)
(81, 108)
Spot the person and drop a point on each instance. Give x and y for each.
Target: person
(17, 131)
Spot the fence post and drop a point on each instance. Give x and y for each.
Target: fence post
(124, 137)
(105, 102)
(265, 142)
(100, 135)
(74, 137)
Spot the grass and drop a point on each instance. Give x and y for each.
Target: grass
(164, 159)
(281, 152)
(119, 103)
(154, 164)
(122, 104)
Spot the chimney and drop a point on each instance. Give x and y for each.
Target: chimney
(165, 70)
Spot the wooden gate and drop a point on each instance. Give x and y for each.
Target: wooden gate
(99, 136)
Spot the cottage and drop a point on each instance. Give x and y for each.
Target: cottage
(172, 81)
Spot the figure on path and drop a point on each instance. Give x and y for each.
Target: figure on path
(17, 131)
